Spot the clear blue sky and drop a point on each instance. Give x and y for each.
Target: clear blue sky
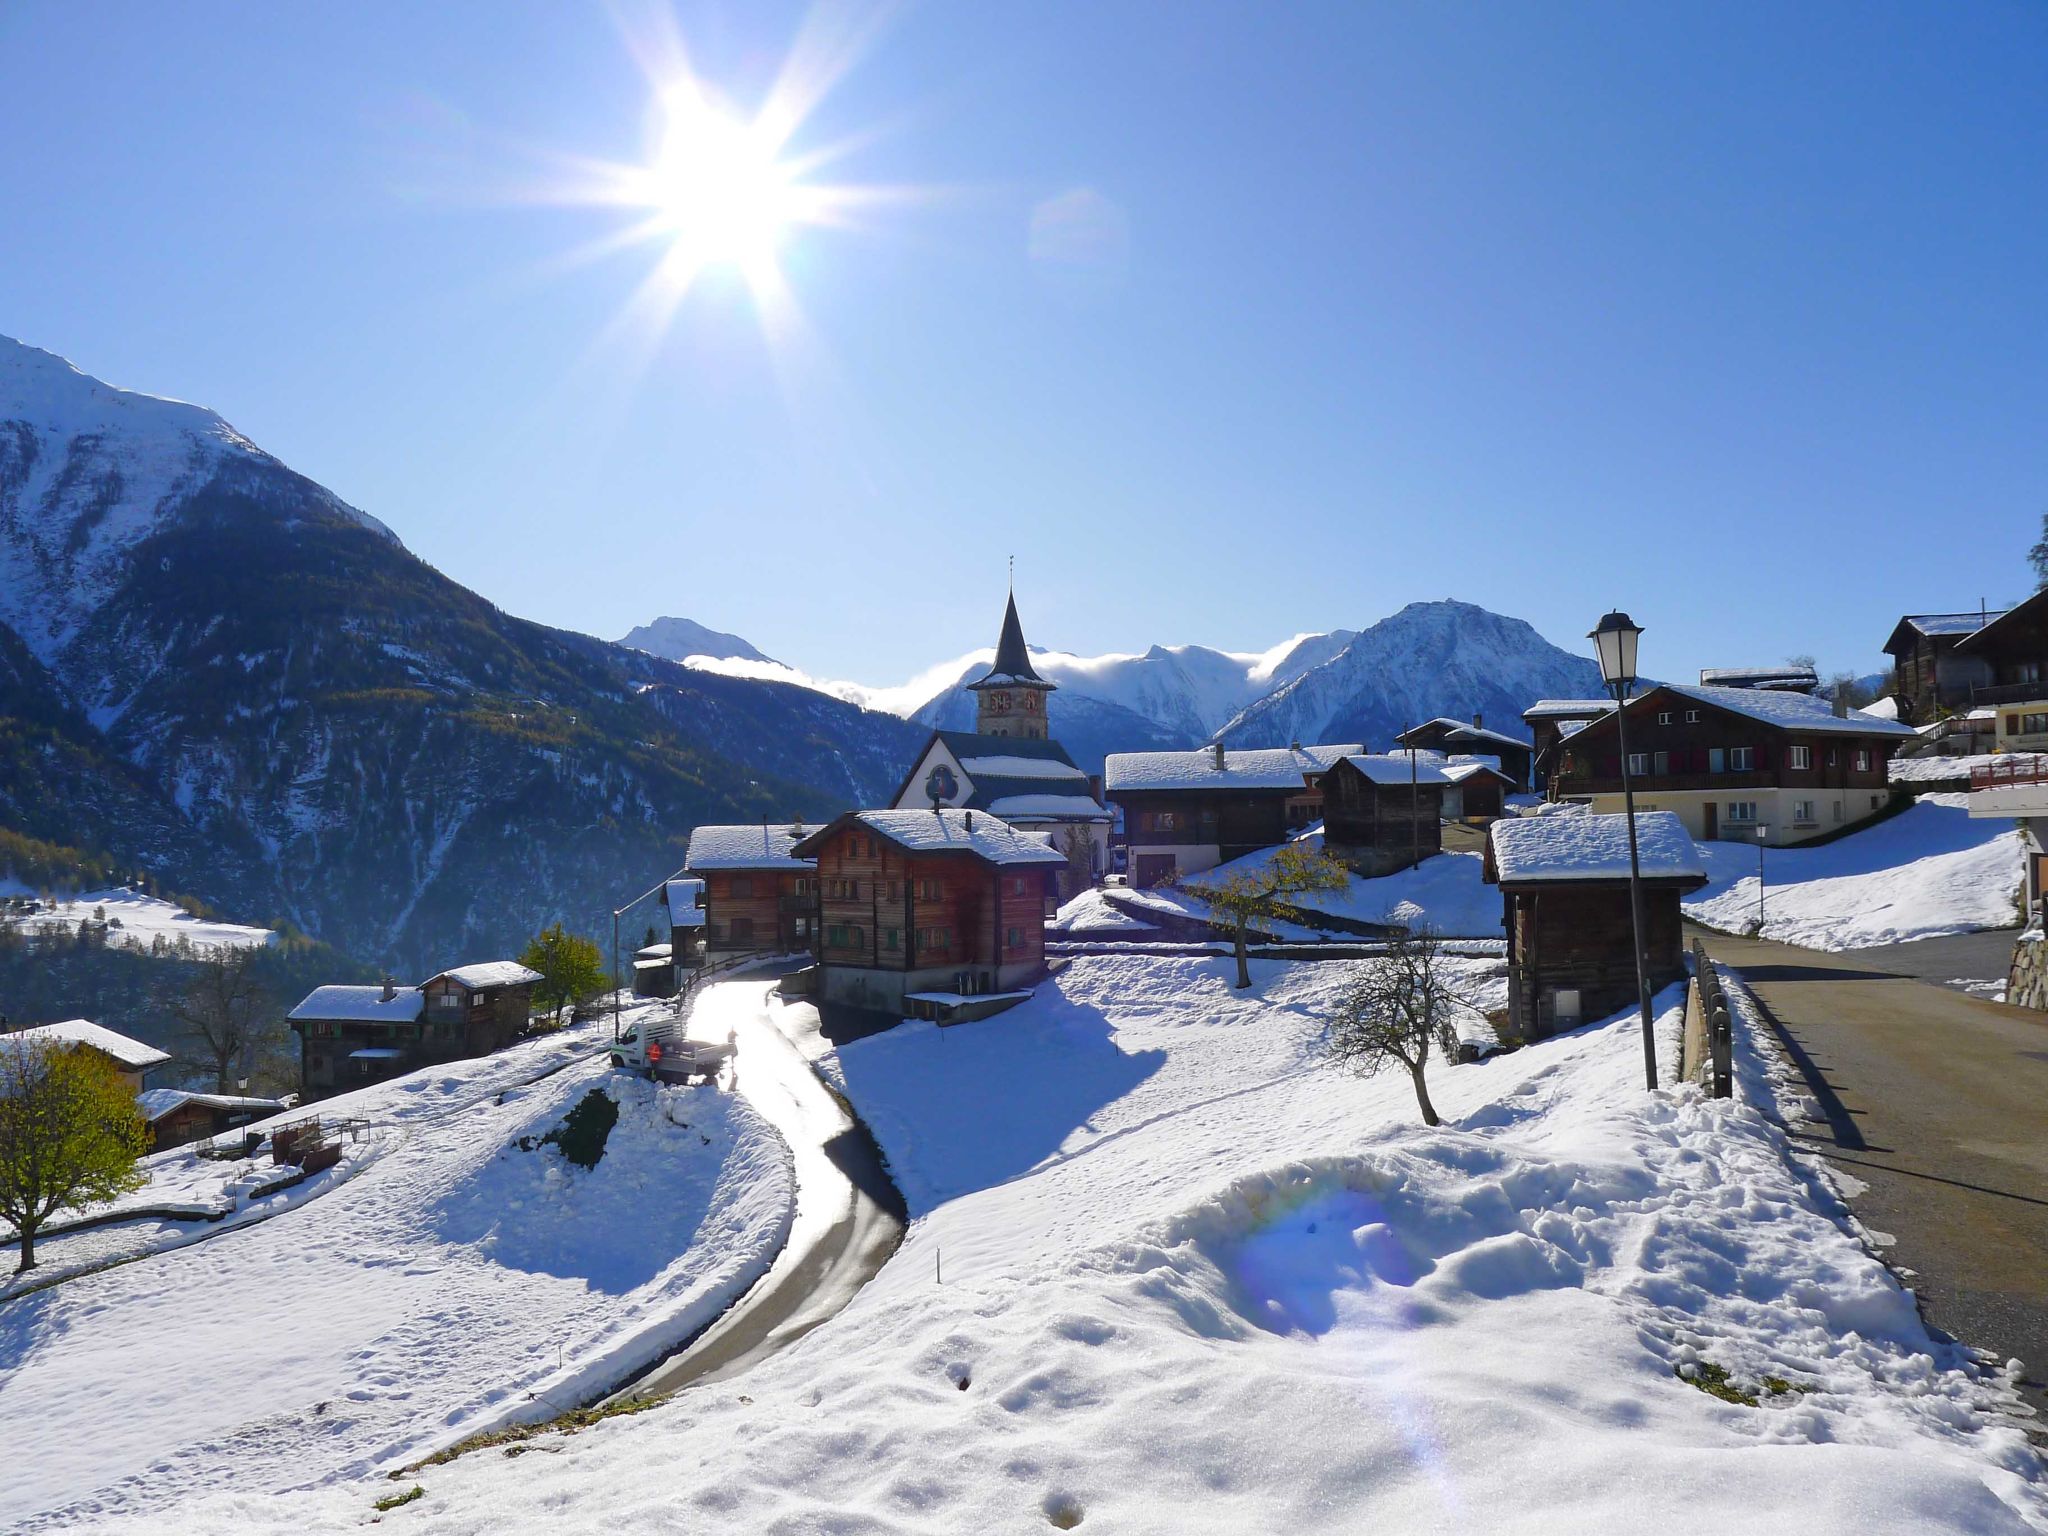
(1736, 316)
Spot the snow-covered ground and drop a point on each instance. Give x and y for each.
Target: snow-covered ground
(1928, 871)
(1911, 771)
(1171, 1272)
(135, 920)
(468, 1278)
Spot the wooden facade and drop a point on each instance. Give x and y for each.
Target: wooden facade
(350, 1037)
(1933, 680)
(2013, 650)
(1453, 737)
(1571, 949)
(193, 1117)
(764, 910)
(1232, 822)
(1376, 827)
(1550, 721)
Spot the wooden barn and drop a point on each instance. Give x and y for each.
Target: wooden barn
(1454, 737)
(129, 1057)
(1564, 882)
(1383, 811)
(1476, 790)
(352, 1036)
(758, 895)
(927, 912)
(1184, 812)
(177, 1116)
(1551, 722)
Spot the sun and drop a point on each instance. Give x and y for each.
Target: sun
(717, 190)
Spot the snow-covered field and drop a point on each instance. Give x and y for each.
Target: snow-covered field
(135, 920)
(1170, 1272)
(1929, 871)
(461, 1281)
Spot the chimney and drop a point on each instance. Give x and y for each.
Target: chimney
(1841, 702)
(1294, 746)
(970, 822)
(1217, 748)
(1478, 721)
(390, 989)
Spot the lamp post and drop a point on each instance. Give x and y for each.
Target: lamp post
(1614, 642)
(1763, 833)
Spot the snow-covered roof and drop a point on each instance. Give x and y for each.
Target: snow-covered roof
(955, 831)
(1396, 767)
(488, 973)
(1458, 773)
(1790, 711)
(749, 846)
(1759, 677)
(1056, 807)
(376, 1053)
(1886, 708)
(682, 894)
(158, 1102)
(131, 1053)
(1932, 624)
(361, 1005)
(1241, 768)
(686, 917)
(1568, 709)
(1010, 766)
(1526, 849)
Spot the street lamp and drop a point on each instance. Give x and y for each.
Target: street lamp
(1763, 835)
(1614, 642)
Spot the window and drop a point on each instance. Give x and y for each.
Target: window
(836, 935)
(1802, 813)
(740, 885)
(2036, 725)
(1802, 757)
(1660, 763)
(892, 939)
(1692, 717)
(1638, 762)
(1740, 810)
(1664, 718)
(935, 938)
(1717, 760)
(1741, 759)
(931, 890)
(1014, 938)
(1834, 756)
(742, 930)
(1863, 759)
(1162, 821)
(1016, 885)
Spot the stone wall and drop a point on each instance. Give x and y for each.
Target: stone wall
(2026, 984)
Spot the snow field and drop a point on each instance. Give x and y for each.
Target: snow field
(1171, 1273)
(461, 1283)
(143, 920)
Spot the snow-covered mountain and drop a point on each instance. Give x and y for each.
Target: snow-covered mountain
(1440, 658)
(682, 639)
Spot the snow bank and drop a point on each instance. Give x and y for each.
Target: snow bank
(1928, 871)
(470, 1278)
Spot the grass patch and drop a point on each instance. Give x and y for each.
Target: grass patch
(513, 1436)
(392, 1501)
(583, 1132)
(1713, 1380)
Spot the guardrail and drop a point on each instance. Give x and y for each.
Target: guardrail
(2010, 772)
(1716, 1063)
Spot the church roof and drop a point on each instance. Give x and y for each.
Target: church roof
(1013, 661)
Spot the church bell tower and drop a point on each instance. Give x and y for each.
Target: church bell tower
(1010, 698)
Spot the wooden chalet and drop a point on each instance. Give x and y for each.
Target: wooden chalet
(1564, 883)
(1184, 812)
(1731, 760)
(929, 913)
(2013, 649)
(177, 1116)
(1476, 790)
(352, 1036)
(1550, 721)
(759, 895)
(1453, 738)
(1383, 811)
(1934, 681)
(131, 1058)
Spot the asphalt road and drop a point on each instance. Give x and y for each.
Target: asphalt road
(1938, 1103)
(1964, 957)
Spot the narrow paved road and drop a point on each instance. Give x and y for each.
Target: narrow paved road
(1938, 1102)
(849, 1216)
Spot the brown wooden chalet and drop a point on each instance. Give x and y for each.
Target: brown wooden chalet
(1383, 811)
(352, 1036)
(1184, 812)
(129, 1057)
(1564, 883)
(177, 1116)
(1477, 791)
(1550, 721)
(1455, 738)
(2013, 650)
(1731, 760)
(759, 895)
(1934, 681)
(924, 912)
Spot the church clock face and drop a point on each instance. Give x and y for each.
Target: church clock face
(1030, 703)
(1001, 703)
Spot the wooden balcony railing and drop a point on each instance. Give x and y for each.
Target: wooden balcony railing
(2009, 773)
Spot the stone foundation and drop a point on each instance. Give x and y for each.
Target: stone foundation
(2026, 983)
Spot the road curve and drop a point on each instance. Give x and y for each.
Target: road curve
(849, 1215)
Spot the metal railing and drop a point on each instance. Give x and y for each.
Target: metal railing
(2010, 772)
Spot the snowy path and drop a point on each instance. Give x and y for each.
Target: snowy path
(849, 1218)
(468, 1278)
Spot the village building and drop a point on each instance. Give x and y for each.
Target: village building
(936, 914)
(178, 1115)
(1790, 678)
(1453, 737)
(1475, 789)
(352, 1036)
(1734, 762)
(1383, 811)
(130, 1057)
(758, 896)
(1550, 721)
(1184, 812)
(1934, 681)
(2013, 650)
(1564, 883)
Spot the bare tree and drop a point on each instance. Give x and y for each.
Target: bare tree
(1400, 1007)
(1079, 874)
(227, 1014)
(2037, 557)
(1290, 870)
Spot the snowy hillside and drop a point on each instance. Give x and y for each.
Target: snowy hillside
(1172, 1272)
(686, 639)
(1440, 658)
(87, 472)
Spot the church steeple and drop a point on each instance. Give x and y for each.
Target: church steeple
(1010, 697)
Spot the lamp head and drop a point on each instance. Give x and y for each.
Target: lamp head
(1614, 642)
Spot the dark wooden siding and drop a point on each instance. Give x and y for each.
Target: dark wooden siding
(1680, 755)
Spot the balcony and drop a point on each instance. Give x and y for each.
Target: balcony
(2010, 786)
(2010, 693)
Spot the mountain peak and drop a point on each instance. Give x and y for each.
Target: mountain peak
(678, 639)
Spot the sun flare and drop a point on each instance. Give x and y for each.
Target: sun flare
(718, 190)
